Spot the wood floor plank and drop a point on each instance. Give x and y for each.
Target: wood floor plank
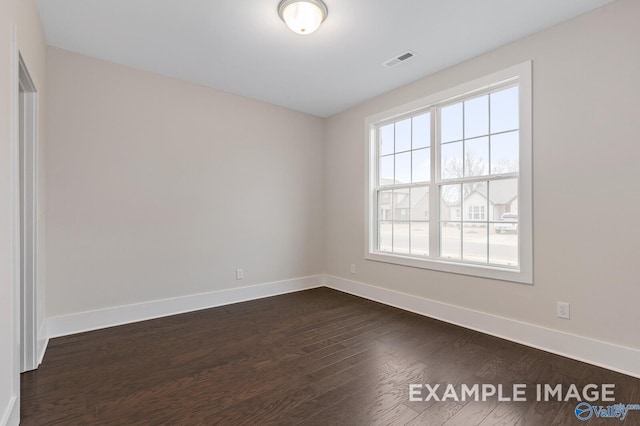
(506, 414)
(312, 357)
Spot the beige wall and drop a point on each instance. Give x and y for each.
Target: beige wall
(23, 15)
(586, 154)
(159, 188)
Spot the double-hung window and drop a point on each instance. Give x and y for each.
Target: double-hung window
(449, 180)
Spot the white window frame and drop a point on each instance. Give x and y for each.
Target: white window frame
(522, 74)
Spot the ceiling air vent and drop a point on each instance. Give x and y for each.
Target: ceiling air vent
(403, 57)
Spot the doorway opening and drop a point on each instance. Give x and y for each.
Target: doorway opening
(27, 159)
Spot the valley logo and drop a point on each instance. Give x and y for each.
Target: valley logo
(585, 411)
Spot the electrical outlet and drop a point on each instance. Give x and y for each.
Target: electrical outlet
(563, 310)
(353, 268)
(239, 274)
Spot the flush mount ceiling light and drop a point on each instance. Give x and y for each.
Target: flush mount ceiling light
(303, 16)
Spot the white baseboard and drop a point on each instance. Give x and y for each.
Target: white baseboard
(607, 355)
(119, 315)
(43, 342)
(11, 415)
(602, 354)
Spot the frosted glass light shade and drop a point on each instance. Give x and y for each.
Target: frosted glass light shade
(302, 16)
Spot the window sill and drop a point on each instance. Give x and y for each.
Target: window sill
(491, 272)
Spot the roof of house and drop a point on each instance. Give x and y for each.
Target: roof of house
(501, 192)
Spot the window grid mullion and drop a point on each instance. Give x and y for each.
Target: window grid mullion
(464, 174)
(393, 194)
(410, 177)
(377, 150)
(488, 198)
(434, 189)
(475, 179)
(489, 136)
(403, 186)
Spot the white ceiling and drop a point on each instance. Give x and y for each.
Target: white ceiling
(242, 46)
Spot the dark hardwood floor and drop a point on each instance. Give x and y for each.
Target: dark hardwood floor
(317, 357)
